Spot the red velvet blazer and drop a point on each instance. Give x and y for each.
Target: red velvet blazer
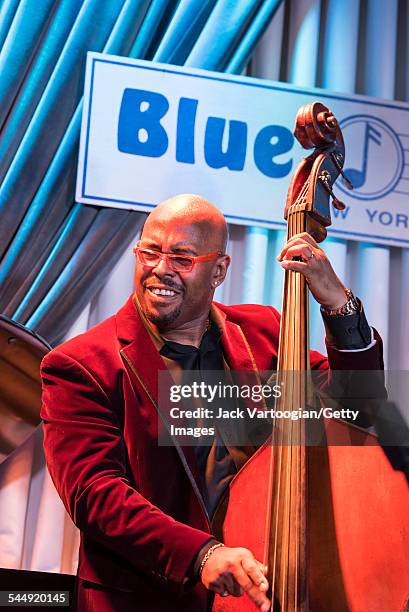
(138, 504)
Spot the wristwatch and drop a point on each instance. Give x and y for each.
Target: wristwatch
(351, 306)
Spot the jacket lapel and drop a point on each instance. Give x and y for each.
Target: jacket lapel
(147, 369)
(237, 352)
(244, 372)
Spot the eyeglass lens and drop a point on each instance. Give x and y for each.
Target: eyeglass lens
(153, 258)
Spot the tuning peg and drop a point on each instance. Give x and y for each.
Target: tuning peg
(346, 181)
(325, 179)
(337, 159)
(337, 203)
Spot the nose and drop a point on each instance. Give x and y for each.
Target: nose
(162, 268)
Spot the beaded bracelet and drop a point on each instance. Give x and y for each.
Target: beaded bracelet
(208, 555)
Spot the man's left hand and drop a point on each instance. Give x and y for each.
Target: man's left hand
(313, 263)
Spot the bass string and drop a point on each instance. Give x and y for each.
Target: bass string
(294, 308)
(297, 308)
(275, 466)
(289, 579)
(302, 392)
(274, 501)
(284, 447)
(294, 396)
(289, 360)
(294, 363)
(302, 296)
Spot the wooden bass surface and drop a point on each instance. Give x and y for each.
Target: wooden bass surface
(357, 544)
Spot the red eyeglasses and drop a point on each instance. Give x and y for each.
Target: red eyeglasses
(177, 263)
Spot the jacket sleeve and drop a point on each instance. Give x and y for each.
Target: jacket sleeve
(352, 379)
(87, 461)
(370, 358)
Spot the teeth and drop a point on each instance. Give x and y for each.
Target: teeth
(162, 291)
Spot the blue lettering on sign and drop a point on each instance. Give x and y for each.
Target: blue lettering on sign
(402, 219)
(340, 213)
(185, 139)
(140, 132)
(265, 150)
(385, 217)
(371, 214)
(235, 154)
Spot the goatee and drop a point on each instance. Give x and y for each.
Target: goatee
(163, 322)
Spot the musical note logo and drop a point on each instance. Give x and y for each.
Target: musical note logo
(374, 157)
(358, 177)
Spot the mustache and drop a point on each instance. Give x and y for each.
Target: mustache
(169, 283)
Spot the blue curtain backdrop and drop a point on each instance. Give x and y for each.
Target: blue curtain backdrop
(56, 254)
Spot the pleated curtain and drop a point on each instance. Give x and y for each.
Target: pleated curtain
(55, 255)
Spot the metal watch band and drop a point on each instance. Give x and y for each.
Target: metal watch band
(351, 306)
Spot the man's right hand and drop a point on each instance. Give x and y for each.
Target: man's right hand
(234, 571)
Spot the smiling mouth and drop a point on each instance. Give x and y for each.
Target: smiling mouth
(162, 292)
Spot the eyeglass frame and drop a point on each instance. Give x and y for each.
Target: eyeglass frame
(194, 259)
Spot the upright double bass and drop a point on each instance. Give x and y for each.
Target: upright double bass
(329, 521)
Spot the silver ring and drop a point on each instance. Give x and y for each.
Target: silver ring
(312, 255)
(224, 594)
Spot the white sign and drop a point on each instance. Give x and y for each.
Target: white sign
(151, 131)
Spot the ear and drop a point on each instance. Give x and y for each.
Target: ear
(220, 270)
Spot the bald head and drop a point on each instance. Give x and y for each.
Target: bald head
(193, 210)
(174, 299)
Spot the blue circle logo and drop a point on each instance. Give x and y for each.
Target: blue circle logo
(374, 157)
